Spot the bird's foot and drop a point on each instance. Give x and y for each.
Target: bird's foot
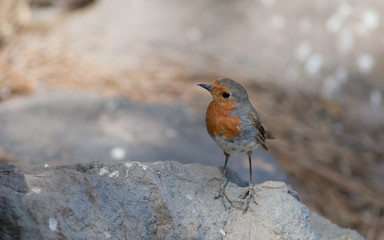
(223, 197)
(248, 195)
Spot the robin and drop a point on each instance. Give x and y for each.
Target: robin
(235, 126)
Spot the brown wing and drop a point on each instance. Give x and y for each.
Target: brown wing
(261, 133)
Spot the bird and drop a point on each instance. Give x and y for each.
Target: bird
(236, 127)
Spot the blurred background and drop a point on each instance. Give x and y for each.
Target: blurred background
(313, 70)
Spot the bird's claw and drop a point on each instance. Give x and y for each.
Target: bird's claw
(223, 197)
(248, 195)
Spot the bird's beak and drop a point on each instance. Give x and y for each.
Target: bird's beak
(206, 86)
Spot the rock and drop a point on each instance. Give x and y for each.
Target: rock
(327, 230)
(159, 200)
(63, 128)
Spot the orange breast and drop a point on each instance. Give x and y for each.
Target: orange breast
(220, 122)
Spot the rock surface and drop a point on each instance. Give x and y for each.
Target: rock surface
(63, 128)
(160, 200)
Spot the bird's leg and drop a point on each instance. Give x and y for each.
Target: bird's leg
(249, 193)
(222, 194)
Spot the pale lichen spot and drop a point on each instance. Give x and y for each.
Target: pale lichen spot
(130, 164)
(103, 171)
(52, 223)
(143, 166)
(107, 234)
(188, 197)
(114, 174)
(36, 190)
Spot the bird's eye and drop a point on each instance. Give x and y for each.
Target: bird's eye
(226, 95)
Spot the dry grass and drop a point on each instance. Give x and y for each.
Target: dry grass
(335, 165)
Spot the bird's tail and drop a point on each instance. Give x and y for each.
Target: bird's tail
(270, 135)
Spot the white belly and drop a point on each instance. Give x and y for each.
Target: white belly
(244, 145)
